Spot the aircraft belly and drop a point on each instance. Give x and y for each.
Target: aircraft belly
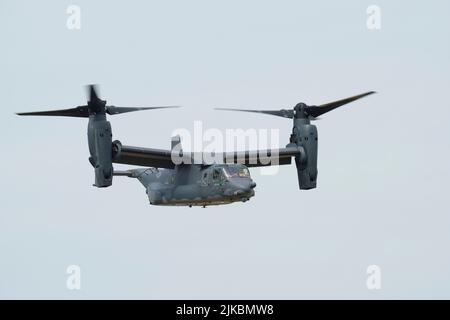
(195, 195)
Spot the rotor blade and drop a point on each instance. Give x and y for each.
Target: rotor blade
(93, 93)
(316, 111)
(279, 113)
(81, 112)
(117, 110)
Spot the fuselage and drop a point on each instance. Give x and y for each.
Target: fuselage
(197, 185)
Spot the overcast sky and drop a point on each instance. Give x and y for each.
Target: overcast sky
(382, 195)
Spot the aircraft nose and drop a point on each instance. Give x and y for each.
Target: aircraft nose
(243, 187)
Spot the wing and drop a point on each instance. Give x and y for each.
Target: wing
(147, 157)
(262, 158)
(159, 158)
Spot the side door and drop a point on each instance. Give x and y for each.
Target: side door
(217, 180)
(206, 184)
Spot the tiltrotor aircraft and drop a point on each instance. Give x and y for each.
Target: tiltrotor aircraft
(172, 177)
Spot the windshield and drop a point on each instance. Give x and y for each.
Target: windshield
(237, 171)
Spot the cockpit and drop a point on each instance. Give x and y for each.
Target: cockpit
(232, 171)
(223, 173)
(232, 181)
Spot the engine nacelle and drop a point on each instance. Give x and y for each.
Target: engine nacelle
(305, 135)
(100, 148)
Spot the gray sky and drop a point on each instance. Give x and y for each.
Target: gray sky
(383, 161)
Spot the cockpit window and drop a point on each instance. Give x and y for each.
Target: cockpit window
(218, 175)
(237, 171)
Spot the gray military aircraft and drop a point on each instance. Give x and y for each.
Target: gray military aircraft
(173, 177)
